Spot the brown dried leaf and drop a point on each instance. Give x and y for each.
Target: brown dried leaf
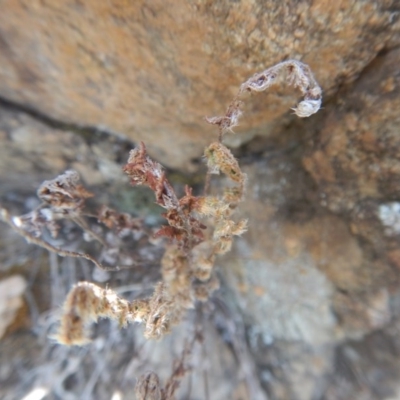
(63, 193)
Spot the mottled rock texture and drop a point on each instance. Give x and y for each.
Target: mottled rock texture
(354, 161)
(315, 282)
(355, 154)
(33, 150)
(153, 70)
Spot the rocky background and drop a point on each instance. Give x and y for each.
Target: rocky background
(310, 298)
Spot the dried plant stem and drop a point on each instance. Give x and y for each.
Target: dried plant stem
(85, 227)
(180, 369)
(187, 266)
(298, 75)
(8, 219)
(87, 303)
(148, 385)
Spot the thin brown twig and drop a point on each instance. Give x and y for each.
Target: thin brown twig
(85, 226)
(298, 75)
(235, 327)
(180, 369)
(8, 219)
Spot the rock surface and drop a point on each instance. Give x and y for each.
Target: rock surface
(33, 150)
(153, 71)
(340, 220)
(314, 286)
(355, 155)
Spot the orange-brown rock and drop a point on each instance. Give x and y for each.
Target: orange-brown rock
(354, 156)
(153, 70)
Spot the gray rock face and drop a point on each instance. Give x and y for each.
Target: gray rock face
(32, 150)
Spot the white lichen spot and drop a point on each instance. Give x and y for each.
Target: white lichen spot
(389, 214)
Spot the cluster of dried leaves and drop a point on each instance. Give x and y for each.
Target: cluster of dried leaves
(198, 229)
(63, 199)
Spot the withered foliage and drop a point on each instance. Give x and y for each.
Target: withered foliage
(198, 229)
(64, 194)
(122, 223)
(148, 385)
(64, 199)
(183, 226)
(296, 74)
(188, 261)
